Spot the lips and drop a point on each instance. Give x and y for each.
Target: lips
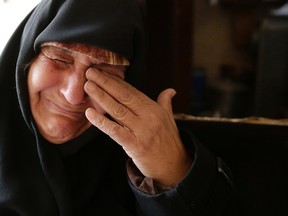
(73, 112)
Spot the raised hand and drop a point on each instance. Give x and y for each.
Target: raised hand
(144, 128)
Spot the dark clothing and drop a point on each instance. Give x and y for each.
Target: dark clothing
(86, 176)
(205, 191)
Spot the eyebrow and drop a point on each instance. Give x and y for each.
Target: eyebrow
(52, 51)
(67, 54)
(109, 57)
(70, 53)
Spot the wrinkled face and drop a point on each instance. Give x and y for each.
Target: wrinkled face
(56, 81)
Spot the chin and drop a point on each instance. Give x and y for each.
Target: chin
(59, 132)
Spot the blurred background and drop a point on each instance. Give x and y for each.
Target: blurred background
(225, 58)
(11, 14)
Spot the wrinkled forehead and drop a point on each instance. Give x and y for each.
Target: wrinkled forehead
(102, 55)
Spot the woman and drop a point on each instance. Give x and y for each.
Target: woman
(75, 126)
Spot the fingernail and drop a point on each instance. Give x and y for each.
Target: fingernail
(89, 85)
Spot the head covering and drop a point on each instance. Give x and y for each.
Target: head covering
(83, 178)
(100, 55)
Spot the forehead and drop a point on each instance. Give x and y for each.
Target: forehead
(101, 55)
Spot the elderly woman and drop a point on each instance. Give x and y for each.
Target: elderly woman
(78, 137)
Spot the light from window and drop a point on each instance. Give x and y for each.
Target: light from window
(11, 14)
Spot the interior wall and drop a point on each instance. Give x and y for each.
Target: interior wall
(214, 39)
(225, 51)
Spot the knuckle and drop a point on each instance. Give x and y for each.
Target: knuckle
(99, 121)
(126, 95)
(113, 129)
(119, 111)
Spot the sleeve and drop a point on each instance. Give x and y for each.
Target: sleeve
(206, 190)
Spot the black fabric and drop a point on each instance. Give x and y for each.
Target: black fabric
(202, 192)
(86, 176)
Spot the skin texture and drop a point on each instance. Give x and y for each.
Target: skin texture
(144, 128)
(58, 100)
(69, 92)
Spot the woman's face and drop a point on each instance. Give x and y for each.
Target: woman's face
(58, 101)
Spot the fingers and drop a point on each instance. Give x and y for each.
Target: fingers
(103, 90)
(144, 128)
(120, 90)
(116, 131)
(165, 99)
(115, 109)
(123, 102)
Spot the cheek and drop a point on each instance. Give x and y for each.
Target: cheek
(41, 77)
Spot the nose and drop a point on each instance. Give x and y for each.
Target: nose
(73, 88)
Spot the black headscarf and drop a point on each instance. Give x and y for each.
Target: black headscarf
(87, 175)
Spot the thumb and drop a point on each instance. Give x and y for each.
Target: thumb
(165, 99)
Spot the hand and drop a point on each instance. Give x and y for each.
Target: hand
(144, 128)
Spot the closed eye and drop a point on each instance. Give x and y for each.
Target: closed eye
(61, 59)
(114, 70)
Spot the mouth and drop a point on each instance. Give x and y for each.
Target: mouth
(75, 113)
